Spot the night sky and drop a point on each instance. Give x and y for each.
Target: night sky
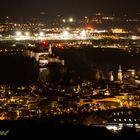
(66, 7)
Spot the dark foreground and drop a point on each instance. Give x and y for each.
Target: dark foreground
(33, 129)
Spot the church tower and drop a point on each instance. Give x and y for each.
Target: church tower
(50, 49)
(120, 73)
(111, 77)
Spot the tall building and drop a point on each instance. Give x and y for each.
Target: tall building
(97, 76)
(50, 49)
(120, 73)
(111, 77)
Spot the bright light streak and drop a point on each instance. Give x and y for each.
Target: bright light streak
(115, 128)
(99, 31)
(135, 37)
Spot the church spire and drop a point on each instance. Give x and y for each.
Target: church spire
(50, 49)
(111, 76)
(120, 68)
(120, 73)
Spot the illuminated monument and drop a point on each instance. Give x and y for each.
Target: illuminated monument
(49, 65)
(47, 61)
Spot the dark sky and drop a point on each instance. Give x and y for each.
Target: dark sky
(66, 7)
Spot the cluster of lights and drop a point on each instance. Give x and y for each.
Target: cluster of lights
(83, 34)
(22, 36)
(19, 34)
(27, 35)
(71, 20)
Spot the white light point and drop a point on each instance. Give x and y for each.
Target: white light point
(27, 34)
(71, 19)
(64, 20)
(65, 34)
(18, 33)
(68, 28)
(42, 34)
(83, 33)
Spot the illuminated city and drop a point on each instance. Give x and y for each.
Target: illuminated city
(71, 68)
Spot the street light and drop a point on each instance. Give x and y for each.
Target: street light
(63, 20)
(71, 19)
(18, 33)
(65, 34)
(41, 34)
(35, 34)
(83, 33)
(68, 28)
(27, 33)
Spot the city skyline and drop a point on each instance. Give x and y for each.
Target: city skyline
(52, 8)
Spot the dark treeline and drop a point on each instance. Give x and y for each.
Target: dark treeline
(85, 62)
(80, 64)
(17, 70)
